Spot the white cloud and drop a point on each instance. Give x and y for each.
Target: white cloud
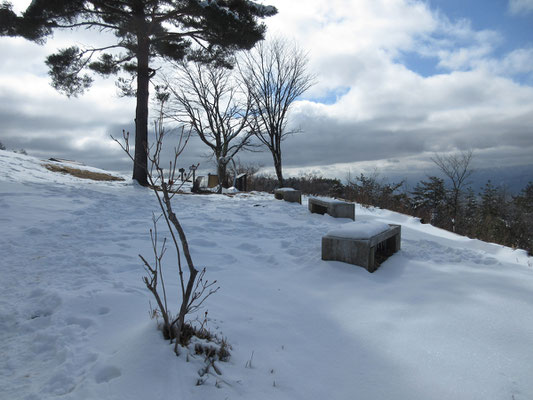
(388, 111)
(456, 45)
(519, 6)
(339, 33)
(36, 117)
(518, 61)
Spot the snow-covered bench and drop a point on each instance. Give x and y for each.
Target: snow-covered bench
(333, 207)
(288, 194)
(363, 243)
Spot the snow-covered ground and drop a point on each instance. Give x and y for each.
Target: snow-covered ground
(445, 318)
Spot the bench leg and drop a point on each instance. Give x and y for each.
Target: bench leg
(371, 265)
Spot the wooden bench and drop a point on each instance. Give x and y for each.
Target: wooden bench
(363, 243)
(288, 194)
(333, 207)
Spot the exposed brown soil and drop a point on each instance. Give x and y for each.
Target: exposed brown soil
(80, 173)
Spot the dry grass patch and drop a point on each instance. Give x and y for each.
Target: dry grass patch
(80, 173)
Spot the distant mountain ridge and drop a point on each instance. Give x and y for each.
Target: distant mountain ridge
(513, 179)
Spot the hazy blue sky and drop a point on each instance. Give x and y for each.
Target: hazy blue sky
(397, 80)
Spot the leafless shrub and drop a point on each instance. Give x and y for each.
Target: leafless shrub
(370, 190)
(194, 288)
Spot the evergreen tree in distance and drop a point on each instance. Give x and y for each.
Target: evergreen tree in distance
(204, 30)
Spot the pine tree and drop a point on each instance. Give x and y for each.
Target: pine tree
(522, 219)
(430, 197)
(493, 210)
(470, 214)
(206, 30)
(525, 199)
(490, 200)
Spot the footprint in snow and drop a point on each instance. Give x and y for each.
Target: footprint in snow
(43, 303)
(84, 323)
(487, 261)
(107, 373)
(250, 248)
(202, 243)
(435, 252)
(269, 260)
(60, 384)
(46, 347)
(103, 310)
(226, 258)
(34, 231)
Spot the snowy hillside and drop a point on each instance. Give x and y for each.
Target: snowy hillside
(445, 318)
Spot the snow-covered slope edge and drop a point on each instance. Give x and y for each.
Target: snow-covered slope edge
(446, 317)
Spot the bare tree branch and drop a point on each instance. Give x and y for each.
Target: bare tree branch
(208, 99)
(275, 75)
(457, 168)
(194, 288)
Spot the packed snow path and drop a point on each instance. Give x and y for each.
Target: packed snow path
(445, 318)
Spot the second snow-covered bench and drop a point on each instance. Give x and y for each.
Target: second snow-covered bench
(333, 207)
(363, 243)
(288, 194)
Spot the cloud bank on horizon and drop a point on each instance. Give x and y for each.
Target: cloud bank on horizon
(397, 80)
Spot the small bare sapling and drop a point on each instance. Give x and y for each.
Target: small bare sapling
(194, 288)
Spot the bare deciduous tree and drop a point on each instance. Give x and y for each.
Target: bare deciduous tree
(275, 74)
(194, 288)
(208, 100)
(457, 168)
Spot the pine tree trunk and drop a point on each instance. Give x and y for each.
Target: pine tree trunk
(141, 112)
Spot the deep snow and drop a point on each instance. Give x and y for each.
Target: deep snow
(359, 229)
(445, 318)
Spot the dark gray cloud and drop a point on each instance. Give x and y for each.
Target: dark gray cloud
(14, 121)
(329, 141)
